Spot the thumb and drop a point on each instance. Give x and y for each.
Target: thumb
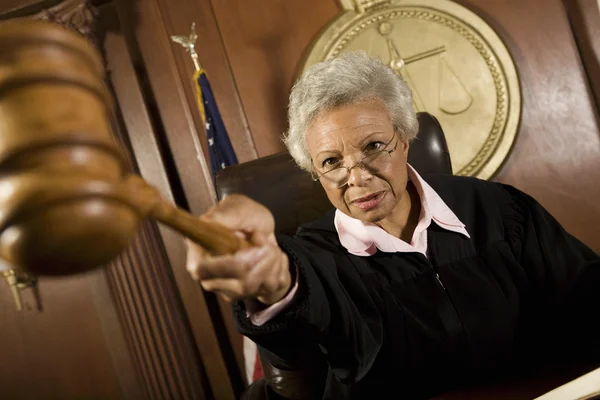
(195, 254)
(240, 213)
(257, 238)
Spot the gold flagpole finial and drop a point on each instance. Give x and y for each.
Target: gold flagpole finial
(189, 44)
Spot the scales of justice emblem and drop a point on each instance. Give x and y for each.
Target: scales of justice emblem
(452, 95)
(456, 65)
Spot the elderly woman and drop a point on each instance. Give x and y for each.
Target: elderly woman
(411, 285)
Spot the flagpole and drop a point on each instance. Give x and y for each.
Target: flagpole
(189, 44)
(220, 150)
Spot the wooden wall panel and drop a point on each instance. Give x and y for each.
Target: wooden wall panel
(265, 41)
(61, 352)
(584, 16)
(556, 157)
(28, 6)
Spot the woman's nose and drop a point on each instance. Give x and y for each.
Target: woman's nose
(359, 175)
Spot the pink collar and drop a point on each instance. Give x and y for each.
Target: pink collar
(363, 239)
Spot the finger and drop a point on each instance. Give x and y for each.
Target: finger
(273, 240)
(280, 277)
(241, 235)
(278, 284)
(257, 238)
(195, 248)
(195, 256)
(227, 286)
(228, 266)
(285, 276)
(228, 289)
(247, 236)
(250, 284)
(239, 212)
(264, 278)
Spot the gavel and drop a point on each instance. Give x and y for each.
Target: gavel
(67, 201)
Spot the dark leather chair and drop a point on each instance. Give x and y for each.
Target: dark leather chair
(294, 198)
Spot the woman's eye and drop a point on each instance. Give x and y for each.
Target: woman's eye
(329, 162)
(374, 146)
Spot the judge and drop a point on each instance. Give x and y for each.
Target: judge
(413, 285)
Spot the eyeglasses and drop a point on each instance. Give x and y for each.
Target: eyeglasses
(376, 162)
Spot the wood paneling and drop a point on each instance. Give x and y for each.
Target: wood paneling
(556, 156)
(584, 16)
(265, 41)
(24, 7)
(116, 341)
(154, 321)
(61, 352)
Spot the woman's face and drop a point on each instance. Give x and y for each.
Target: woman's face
(343, 137)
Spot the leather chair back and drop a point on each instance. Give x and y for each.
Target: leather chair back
(294, 198)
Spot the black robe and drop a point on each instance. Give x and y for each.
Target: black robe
(521, 292)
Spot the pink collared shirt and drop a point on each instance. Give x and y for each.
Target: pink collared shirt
(364, 239)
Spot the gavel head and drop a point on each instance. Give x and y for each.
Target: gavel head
(60, 168)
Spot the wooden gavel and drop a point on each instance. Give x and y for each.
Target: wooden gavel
(67, 203)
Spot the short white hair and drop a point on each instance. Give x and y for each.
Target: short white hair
(342, 81)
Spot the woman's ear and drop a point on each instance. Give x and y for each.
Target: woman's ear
(405, 145)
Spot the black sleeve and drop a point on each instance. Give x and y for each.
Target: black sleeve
(561, 314)
(332, 309)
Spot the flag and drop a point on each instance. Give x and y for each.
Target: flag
(220, 151)
(222, 155)
(252, 365)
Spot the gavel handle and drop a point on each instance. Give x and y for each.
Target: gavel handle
(34, 191)
(215, 238)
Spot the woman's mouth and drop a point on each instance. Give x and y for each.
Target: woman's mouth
(369, 201)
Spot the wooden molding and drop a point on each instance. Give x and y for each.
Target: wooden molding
(584, 17)
(79, 15)
(150, 311)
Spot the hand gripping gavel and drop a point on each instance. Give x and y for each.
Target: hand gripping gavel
(67, 204)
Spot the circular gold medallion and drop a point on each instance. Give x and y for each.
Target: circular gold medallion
(458, 68)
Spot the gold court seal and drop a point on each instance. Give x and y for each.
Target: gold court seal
(458, 68)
